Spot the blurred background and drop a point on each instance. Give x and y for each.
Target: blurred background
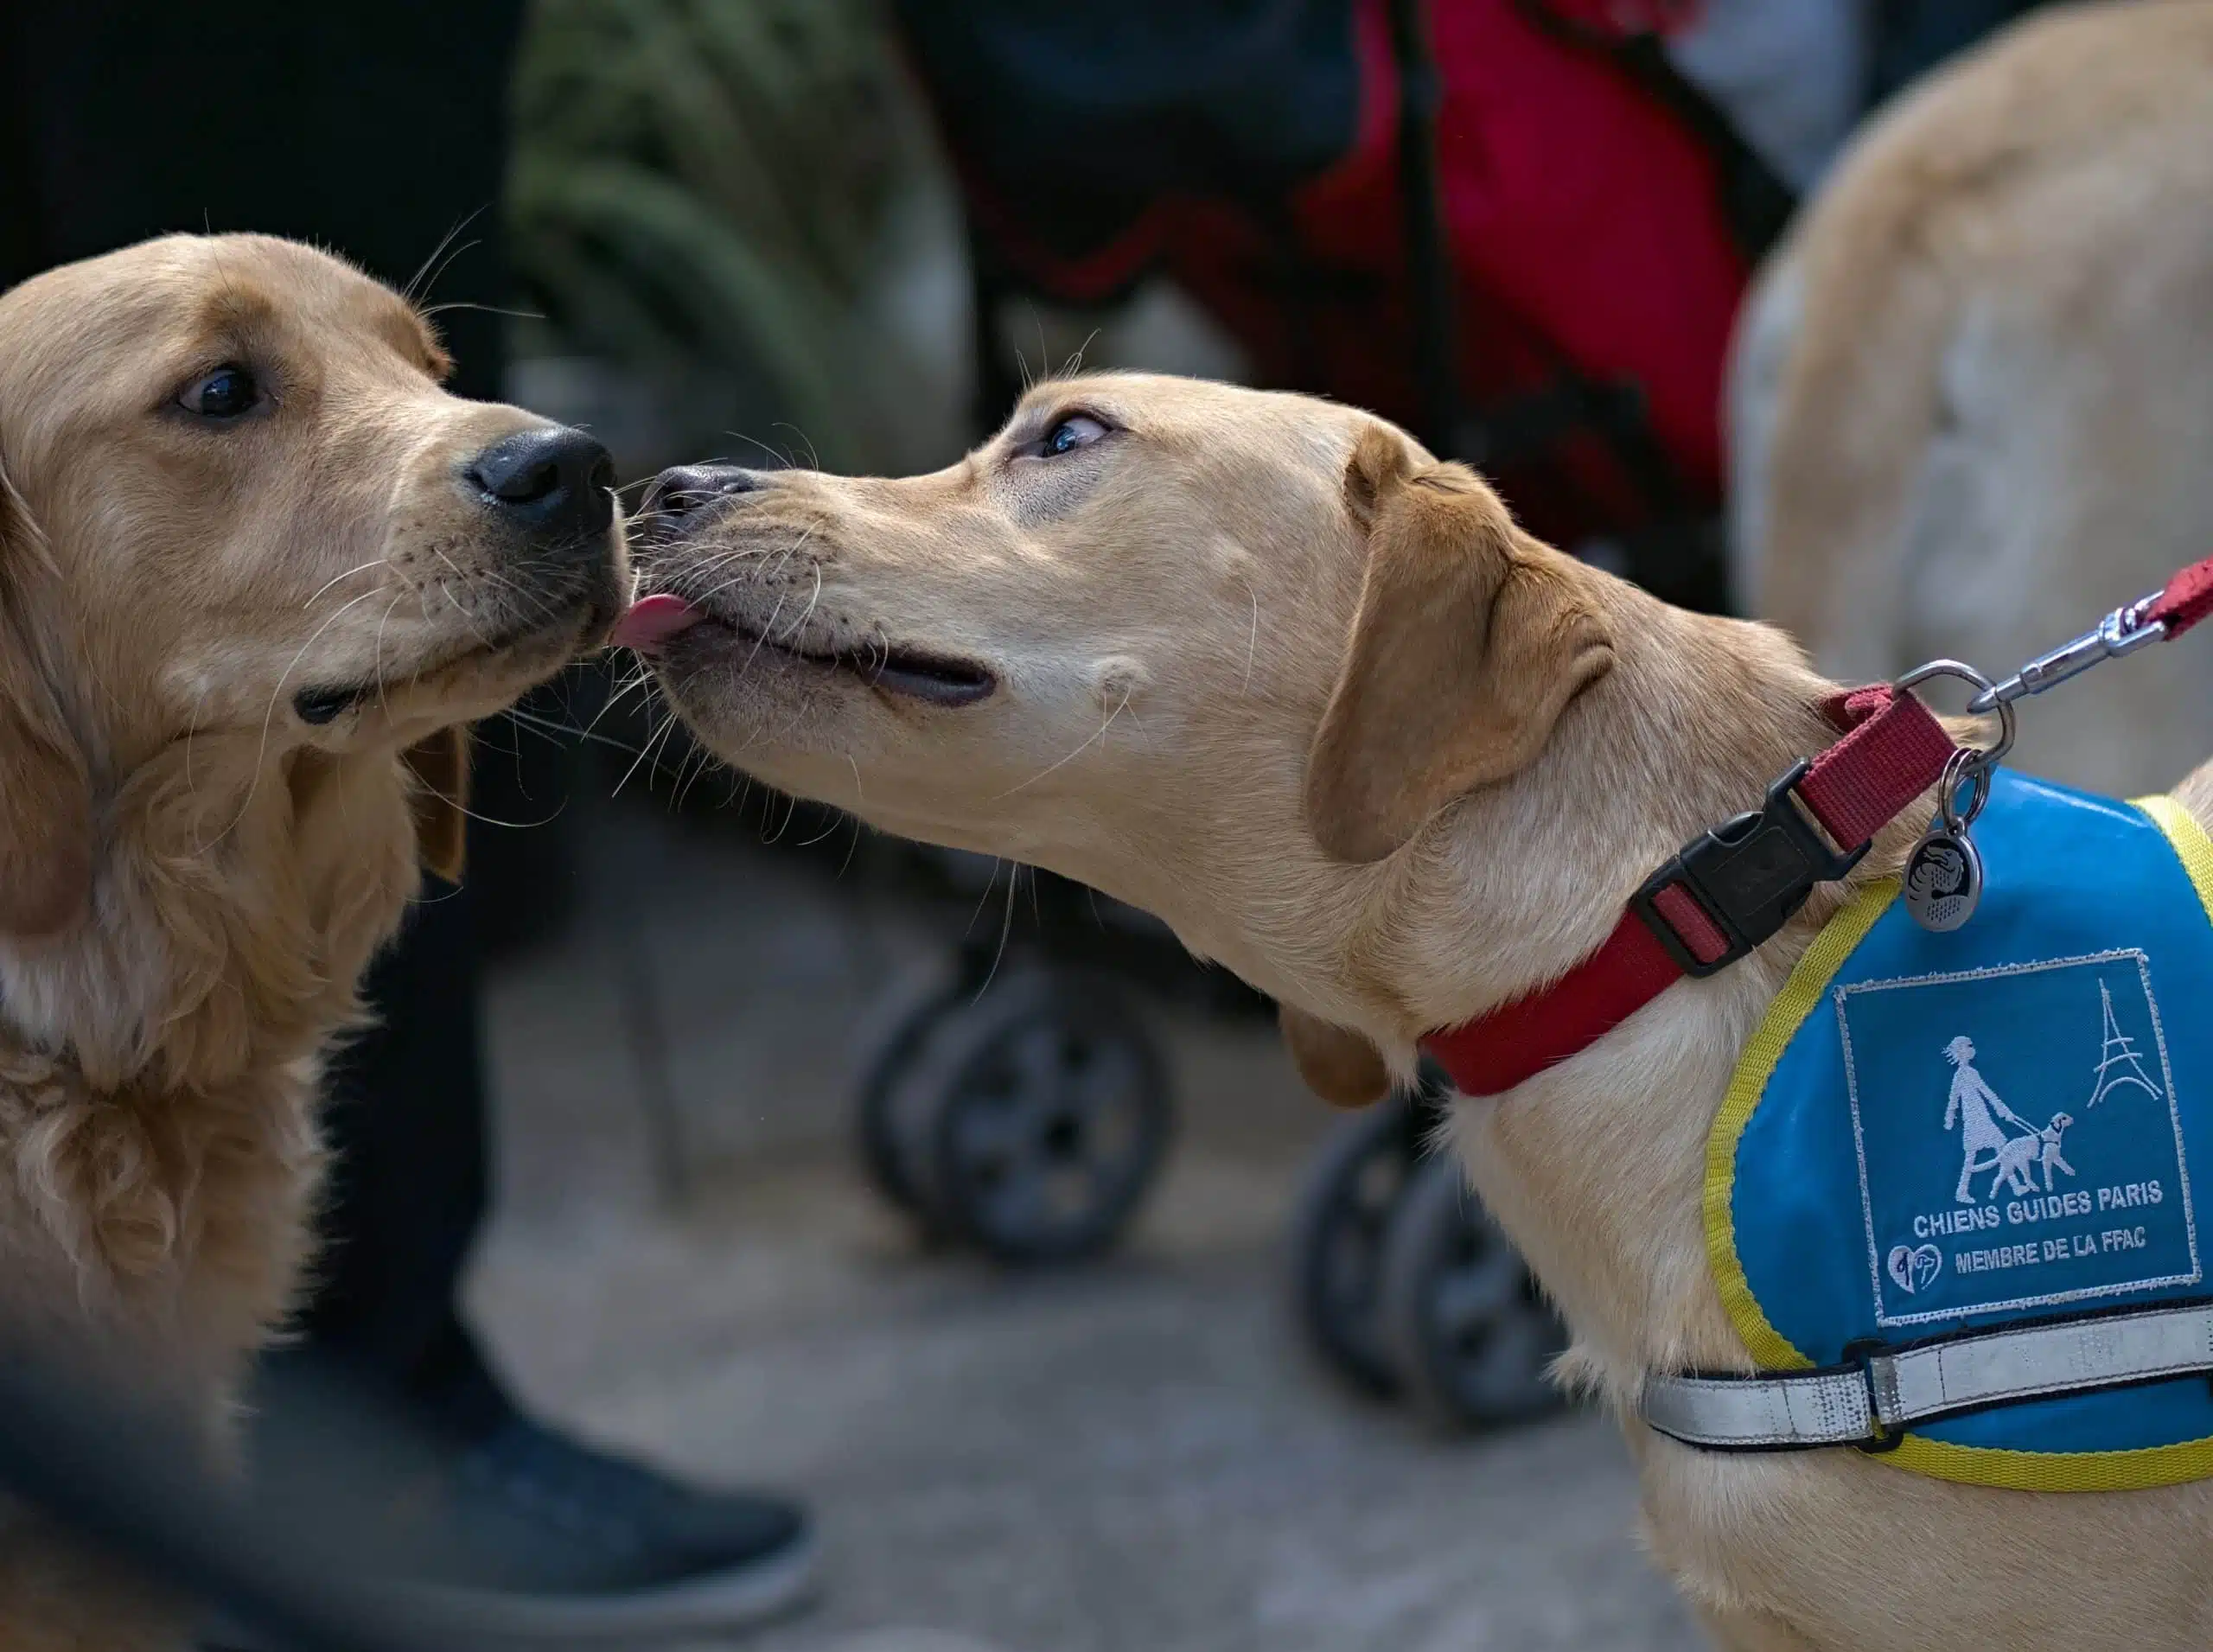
(945, 1197)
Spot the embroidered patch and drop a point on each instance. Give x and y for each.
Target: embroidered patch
(2020, 1144)
(2073, 990)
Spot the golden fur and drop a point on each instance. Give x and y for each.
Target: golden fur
(192, 875)
(1263, 667)
(1968, 408)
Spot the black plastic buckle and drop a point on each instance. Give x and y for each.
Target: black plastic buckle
(1751, 874)
(1887, 1437)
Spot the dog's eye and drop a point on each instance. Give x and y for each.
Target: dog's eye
(1077, 431)
(225, 394)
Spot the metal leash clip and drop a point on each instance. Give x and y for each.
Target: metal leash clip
(2123, 631)
(1943, 874)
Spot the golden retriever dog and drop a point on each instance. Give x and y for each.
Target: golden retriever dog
(257, 572)
(1968, 408)
(1260, 665)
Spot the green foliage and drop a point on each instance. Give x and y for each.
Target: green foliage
(699, 188)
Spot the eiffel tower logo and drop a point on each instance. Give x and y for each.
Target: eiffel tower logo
(2118, 1062)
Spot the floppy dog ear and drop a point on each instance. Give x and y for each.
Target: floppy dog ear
(1337, 1064)
(45, 801)
(1469, 640)
(439, 767)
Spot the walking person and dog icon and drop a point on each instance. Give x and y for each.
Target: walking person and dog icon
(1982, 1115)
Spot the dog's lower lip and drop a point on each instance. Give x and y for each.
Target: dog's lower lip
(932, 679)
(941, 682)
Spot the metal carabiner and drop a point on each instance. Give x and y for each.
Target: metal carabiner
(2123, 631)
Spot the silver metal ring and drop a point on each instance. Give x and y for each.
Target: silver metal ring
(1966, 771)
(1983, 756)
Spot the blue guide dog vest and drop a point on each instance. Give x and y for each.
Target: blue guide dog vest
(1932, 1133)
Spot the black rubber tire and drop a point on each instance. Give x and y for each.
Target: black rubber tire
(1468, 1334)
(1337, 1235)
(889, 1038)
(1032, 1121)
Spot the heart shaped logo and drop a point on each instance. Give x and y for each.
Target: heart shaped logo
(1915, 1268)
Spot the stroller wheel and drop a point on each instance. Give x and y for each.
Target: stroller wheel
(1468, 1333)
(1337, 1238)
(1032, 1121)
(897, 1029)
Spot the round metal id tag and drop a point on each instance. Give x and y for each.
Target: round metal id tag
(1943, 880)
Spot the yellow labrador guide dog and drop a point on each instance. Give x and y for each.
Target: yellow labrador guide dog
(1780, 1011)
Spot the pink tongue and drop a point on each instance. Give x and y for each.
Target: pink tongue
(652, 620)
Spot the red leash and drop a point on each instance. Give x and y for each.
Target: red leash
(1736, 885)
(2186, 599)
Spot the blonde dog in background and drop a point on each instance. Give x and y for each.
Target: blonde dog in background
(1970, 406)
(257, 570)
(1258, 664)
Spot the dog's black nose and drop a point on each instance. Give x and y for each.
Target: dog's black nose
(556, 482)
(688, 487)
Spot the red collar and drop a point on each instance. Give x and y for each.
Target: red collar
(1729, 890)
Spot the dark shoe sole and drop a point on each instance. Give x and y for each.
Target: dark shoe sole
(719, 1602)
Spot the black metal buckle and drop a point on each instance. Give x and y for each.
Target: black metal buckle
(1887, 1437)
(1749, 874)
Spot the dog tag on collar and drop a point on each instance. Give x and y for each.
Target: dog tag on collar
(1943, 879)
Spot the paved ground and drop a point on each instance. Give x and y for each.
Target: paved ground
(1137, 1455)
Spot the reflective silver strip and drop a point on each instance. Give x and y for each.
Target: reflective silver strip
(1824, 1408)
(1997, 1367)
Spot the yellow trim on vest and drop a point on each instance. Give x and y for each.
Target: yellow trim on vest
(1980, 1466)
(2191, 846)
(1800, 994)
(1990, 1465)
